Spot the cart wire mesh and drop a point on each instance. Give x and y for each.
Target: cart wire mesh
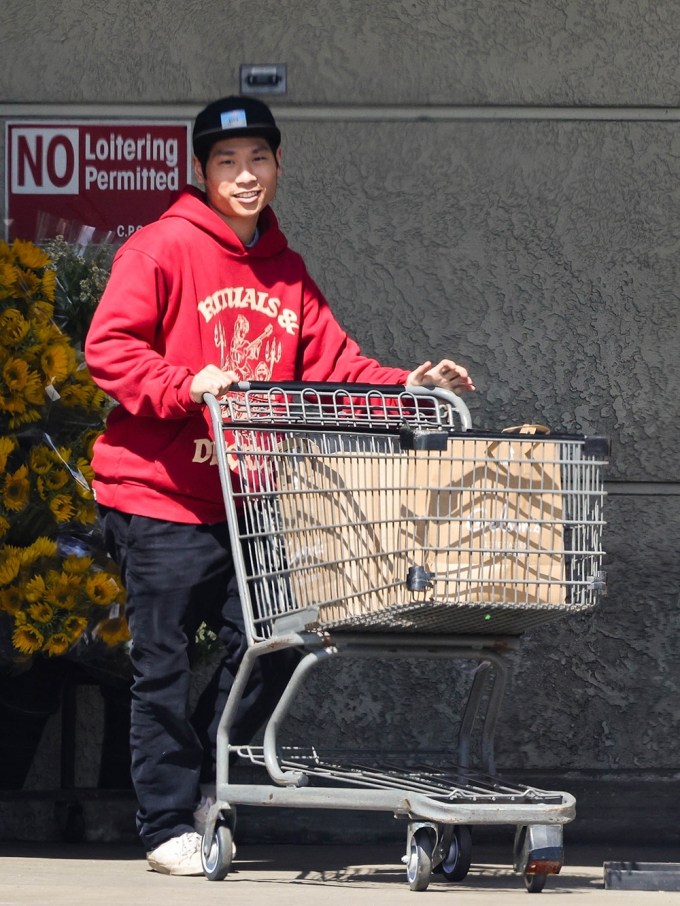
(373, 510)
(454, 786)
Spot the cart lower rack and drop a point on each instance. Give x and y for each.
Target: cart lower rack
(373, 523)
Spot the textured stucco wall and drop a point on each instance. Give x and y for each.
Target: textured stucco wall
(542, 251)
(614, 52)
(543, 254)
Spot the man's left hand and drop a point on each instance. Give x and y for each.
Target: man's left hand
(447, 374)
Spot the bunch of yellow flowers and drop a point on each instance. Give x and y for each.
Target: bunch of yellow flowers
(53, 599)
(55, 584)
(38, 363)
(47, 484)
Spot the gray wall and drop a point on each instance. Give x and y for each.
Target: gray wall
(492, 180)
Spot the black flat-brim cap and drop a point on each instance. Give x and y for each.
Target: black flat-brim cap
(234, 117)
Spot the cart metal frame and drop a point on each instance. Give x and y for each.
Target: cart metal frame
(265, 430)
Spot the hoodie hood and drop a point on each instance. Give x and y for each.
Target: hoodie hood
(193, 207)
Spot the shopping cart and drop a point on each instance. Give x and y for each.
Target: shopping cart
(372, 522)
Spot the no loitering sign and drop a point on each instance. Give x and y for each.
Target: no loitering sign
(111, 175)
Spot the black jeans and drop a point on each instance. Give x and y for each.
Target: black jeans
(177, 576)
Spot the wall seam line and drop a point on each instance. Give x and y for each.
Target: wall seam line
(359, 113)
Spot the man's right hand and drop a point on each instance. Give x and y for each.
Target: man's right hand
(212, 379)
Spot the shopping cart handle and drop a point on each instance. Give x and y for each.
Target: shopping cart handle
(446, 396)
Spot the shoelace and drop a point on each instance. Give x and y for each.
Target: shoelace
(191, 843)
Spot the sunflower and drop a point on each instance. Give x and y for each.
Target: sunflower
(27, 639)
(29, 255)
(40, 459)
(29, 352)
(41, 547)
(35, 391)
(85, 493)
(26, 417)
(76, 395)
(41, 612)
(57, 362)
(29, 283)
(86, 513)
(11, 599)
(74, 626)
(24, 406)
(58, 643)
(7, 446)
(41, 312)
(5, 525)
(87, 440)
(99, 399)
(113, 631)
(75, 565)
(15, 373)
(41, 488)
(82, 375)
(15, 490)
(18, 412)
(49, 284)
(102, 589)
(56, 478)
(10, 563)
(9, 276)
(13, 402)
(35, 588)
(43, 333)
(85, 469)
(61, 507)
(13, 327)
(62, 590)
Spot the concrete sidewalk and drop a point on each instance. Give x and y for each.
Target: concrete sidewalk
(302, 875)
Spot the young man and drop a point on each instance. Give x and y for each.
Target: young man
(207, 295)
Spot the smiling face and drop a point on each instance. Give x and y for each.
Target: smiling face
(240, 180)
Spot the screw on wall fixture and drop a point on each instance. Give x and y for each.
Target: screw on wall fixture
(265, 79)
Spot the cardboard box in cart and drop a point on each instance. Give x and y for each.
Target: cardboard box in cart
(485, 519)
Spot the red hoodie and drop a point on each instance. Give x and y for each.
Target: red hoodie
(185, 292)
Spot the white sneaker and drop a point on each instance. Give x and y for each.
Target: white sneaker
(178, 856)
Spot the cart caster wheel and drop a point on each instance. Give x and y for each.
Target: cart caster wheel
(535, 883)
(419, 860)
(456, 863)
(217, 863)
(538, 853)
